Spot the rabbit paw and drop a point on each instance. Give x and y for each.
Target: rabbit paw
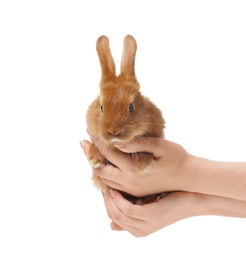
(144, 161)
(95, 158)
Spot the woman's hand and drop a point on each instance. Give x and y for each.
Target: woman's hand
(144, 220)
(197, 186)
(163, 176)
(174, 169)
(136, 219)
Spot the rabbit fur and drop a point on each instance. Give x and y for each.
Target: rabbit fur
(121, 113)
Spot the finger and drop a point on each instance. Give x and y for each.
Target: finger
(116, 227)
(119, 226)
(111, 208)
(118, 216)
(132, 211)
(134, 231)
(106, 204)
(85, 145)
(120, 221)
(113, 185)
(82, 144)
(111, 175)
(109, 204)
(108, 172)
(141, 144)
(114, 156)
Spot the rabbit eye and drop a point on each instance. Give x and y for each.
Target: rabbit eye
(130, 107)
(101, 108)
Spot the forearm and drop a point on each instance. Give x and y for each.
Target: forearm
(144, 220)
(226, 179)
(218, 206)
(174, 169)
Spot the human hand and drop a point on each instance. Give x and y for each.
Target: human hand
(174, 169)
(144, 220)
(125, 176)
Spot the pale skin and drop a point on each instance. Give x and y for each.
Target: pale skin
(198, 186)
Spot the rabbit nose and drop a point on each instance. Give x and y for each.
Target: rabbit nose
(114, 132)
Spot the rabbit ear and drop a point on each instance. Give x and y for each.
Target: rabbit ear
(128, 56)
(106, 59)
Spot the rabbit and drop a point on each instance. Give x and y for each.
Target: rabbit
(121, 113)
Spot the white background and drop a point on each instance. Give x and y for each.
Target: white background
(191, 62)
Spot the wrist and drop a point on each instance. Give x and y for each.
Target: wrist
(200, 175)
(204, 204)
(225, 179)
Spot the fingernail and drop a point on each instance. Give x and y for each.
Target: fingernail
(119, 146)
(88, 132)
(111, 192)
(82, 144)
(86, 146)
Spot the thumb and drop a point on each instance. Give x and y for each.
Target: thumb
(143, 144)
